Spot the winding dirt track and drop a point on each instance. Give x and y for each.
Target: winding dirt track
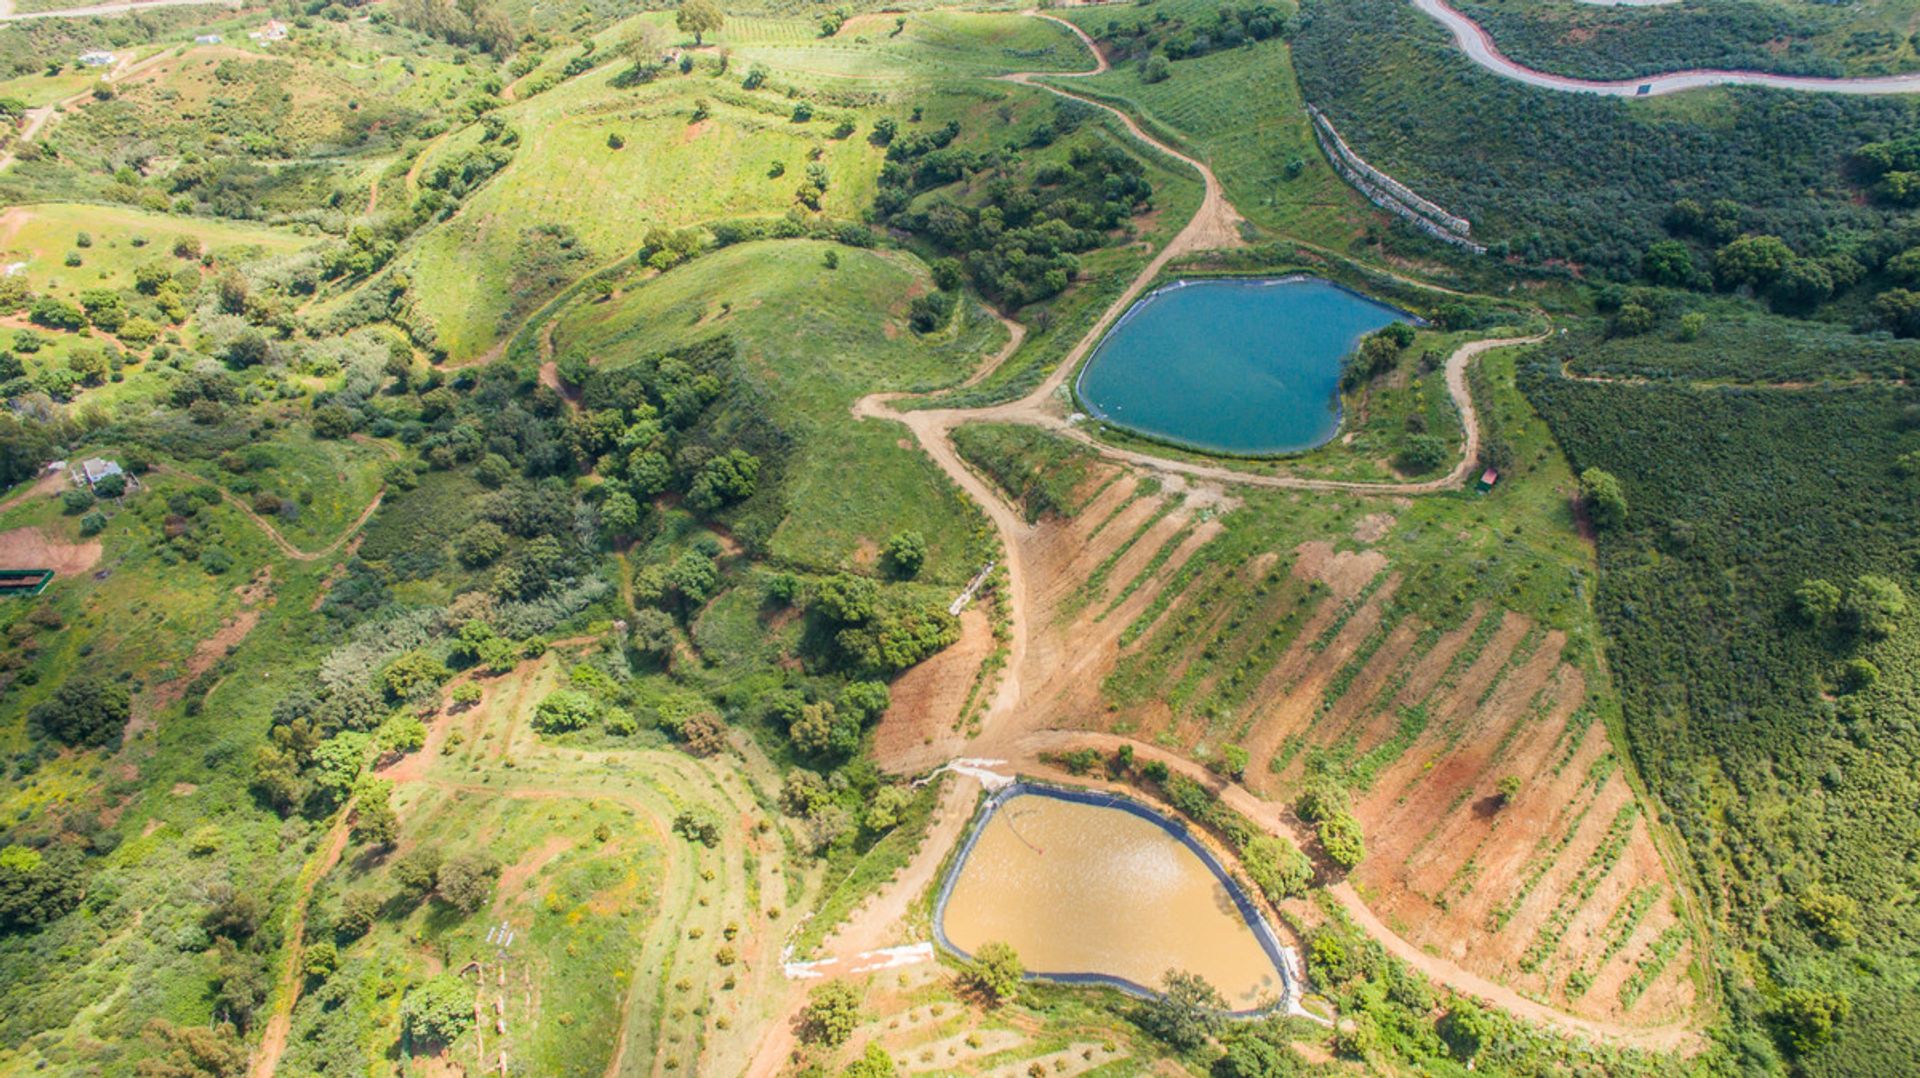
(286, 992)
(1474, 40)
(273, 533)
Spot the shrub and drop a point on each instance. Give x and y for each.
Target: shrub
(1341, 838)
(1276, 867)
(466, 880)
(564, 710)
(438, 1010)
(1809, 1017)
(1605, 501)
(831, 1014)
(906, 552)
(995, 972)
(1186, 1013)
(1423, 453)
(1873, 606)
(85, 712)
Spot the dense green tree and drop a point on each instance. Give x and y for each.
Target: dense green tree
(1830, 915)
(374, 822)
(1186, 1013)
(466, 880)
(1873, 606)
(867, 700)
(437, 1010)
(417, 872)
(1817, 602)
(820, 729)
(332, 421)
(883, 812)
(24, 447)
(1754, 261)
(620, 514)
(724, 480)
(38, 887)
(191, 1051)
(699, 18)
(86, 712)
(1341, 838)
(239, 983)
(1905, 267)
(1606, 502)
(831, 1014)
(1858, 675)
(694, 577)
(906, 552)
(1898, 311)
(232, 913)
(480, 545)
(56, 314)
(1632, 320)
(358, 910)
(1808, 1017)
(563, 710)
(847, 599)
(995, 972)
(1803, 284)
(1249, 1055)
(873, 1063)
(651, 633)
(1668, 262)
(1276, 867)
(319, 960)
(1466, 1028)
(414, 674)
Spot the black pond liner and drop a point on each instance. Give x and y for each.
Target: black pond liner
(1257, 923)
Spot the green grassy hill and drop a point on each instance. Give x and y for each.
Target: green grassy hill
(815, 340)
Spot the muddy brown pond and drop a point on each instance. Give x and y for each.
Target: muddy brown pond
(1087, 887)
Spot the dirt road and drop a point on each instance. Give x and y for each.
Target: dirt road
(273, 1041)
(8, 14)
(1479, 47)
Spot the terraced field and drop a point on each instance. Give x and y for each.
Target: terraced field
(1401, 651)
(689, 991)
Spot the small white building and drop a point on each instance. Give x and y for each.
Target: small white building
(97, 58)
(274, 30)
(208, 39)
(93, 470)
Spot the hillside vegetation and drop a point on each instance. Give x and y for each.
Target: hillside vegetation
(1785, 764)
(583, 531)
